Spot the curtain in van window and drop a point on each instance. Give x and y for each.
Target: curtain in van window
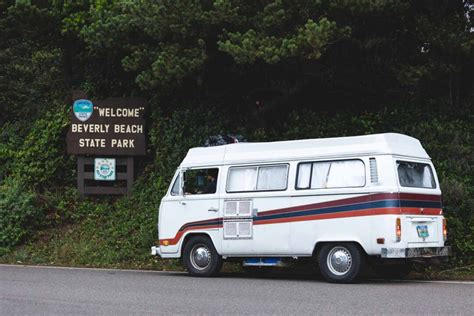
(304, 173)
(242, 179)
(428, 180)
(331, 174)
(346, 173)
(272, 178)
(321, 170)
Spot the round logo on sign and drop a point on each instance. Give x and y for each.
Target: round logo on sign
(83, 109)
(105, 169)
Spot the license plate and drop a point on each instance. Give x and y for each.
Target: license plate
(422, 231)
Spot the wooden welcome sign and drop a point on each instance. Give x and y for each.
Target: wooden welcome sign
(106, 135)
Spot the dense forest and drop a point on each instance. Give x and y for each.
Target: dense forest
(265, 69)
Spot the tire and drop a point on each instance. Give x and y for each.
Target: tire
(200, 257)
(393, 271)
(340, 262)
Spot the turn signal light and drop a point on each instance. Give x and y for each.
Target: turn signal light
(398, 229)
(445, 229)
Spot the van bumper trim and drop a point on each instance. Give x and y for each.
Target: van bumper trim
(421, 252)
(155, 251)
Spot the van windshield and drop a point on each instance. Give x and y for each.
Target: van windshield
(415, 175)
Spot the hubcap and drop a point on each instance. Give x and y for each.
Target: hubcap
(200, 257)
(339, 260)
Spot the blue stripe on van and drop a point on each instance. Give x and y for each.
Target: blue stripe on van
(334, 209)
(352, 207)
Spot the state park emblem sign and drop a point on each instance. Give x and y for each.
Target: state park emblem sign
(82, 109)
(104, 169)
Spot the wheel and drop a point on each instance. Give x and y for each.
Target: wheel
(393, 271)
(200, 257)
(340, 263)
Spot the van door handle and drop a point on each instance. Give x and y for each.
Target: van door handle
(182, 202)
(213, 209)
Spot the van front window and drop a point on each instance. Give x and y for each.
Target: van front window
(415, 175)
(200, 181)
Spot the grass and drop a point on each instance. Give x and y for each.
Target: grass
(464, 273)
(71, 246)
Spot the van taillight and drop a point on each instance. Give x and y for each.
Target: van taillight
(398, 229)
(445, 229)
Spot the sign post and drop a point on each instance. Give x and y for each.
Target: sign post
(106, 135)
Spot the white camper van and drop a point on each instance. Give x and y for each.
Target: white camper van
(338, 201)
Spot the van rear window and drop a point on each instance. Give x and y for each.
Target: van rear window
(415, 175)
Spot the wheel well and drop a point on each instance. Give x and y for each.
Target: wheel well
(189, 236)
(318, 245)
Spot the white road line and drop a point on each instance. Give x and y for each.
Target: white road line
(89, 269)
(436, 281)
(183, 272)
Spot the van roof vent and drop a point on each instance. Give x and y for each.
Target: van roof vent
(374, 175)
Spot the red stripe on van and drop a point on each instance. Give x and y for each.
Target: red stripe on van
(358, 199)
(421, 211)
(175, 239)
(420, 197)
(341, 202)
(358, 213)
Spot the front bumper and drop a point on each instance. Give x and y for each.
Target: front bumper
(422, 252)
(155, 251)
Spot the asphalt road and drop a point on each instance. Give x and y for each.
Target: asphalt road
(60, 291)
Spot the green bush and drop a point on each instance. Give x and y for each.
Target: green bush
(40, 159)
(19, 212)
(10, 140)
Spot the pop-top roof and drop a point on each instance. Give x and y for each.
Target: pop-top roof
(322, 148)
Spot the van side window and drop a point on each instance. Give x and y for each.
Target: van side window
(272, 178)
(415, 175)
(331, 174)
(200, 181)
(242, 179)
(257, 178)
(175, 188)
